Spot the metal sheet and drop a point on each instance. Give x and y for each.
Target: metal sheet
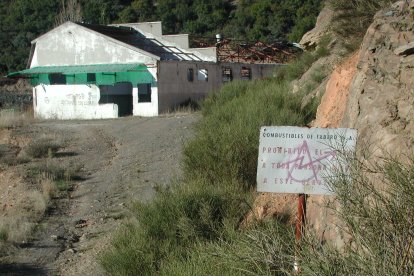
(301, 160)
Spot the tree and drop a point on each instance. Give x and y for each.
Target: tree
(71, 11)
(22, 21)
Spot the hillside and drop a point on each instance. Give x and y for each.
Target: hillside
(24, 20)
(357, 72)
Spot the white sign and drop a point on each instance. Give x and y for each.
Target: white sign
(299, 160)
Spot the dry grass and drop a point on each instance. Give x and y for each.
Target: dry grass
(10, 118)
(19, 219)
(44, 146)
(21, 208)
(49, 188)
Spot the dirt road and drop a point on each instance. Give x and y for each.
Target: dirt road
(122, 160)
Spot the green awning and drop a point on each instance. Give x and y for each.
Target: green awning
(80, 69)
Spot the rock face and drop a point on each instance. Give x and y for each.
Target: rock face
(322, 27)
(371, 91)
(381, 96)
(332, 107)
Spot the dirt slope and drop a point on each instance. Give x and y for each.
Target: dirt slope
(122, 161)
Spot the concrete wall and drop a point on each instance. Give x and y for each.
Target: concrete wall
(174, 87)
(71, 102)
(149, 109)
(180, 40)
(71, 44)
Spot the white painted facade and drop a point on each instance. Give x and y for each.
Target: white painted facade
(72, 44)
(71, 102)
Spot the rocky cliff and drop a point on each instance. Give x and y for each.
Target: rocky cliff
(371, 90)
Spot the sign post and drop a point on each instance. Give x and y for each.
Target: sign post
(301, 160)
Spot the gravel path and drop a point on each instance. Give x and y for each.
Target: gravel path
(122, 159)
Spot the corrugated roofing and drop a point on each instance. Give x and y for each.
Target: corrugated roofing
(81, 69)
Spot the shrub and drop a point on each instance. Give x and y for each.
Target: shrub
(265, 248)
(225, 147)
(376, 211)
(205, 210)
(54, 171)
(10, 118)
(352, 18)
(42, 147)
(171, 224)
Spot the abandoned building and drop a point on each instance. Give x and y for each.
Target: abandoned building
(83, 71)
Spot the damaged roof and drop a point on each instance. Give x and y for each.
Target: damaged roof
(136, 39)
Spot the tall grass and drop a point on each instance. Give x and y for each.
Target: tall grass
(11, 118)
(375, 207)
(205, 208)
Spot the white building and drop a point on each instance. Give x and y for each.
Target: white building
(83, 71)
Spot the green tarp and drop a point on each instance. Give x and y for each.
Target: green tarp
(104, 74)
(79, 69)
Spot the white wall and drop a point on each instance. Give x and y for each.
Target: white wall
(146, 109)
(72, 44)
(70, 102)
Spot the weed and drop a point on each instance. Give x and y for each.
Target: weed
(10, 118)
(43, 147)
(21, 219)
(3, 234)
(49, 188)
(205, 209)
(375, 208)
(62, 185)
(53, 171)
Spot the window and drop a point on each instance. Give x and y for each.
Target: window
(144, 92)
(246, 73)
(226, 74)
(57, 78)
(202, 75)
(91, 77)
(190, 74)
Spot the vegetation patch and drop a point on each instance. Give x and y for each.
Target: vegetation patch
(352, 18)
(43, 147)
(10, 118)
(206, 207)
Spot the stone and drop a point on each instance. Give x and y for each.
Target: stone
(323, 23)
(405, 50)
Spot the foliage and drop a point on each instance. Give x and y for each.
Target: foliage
(352, 19)
(21, 21)
(71, 10)
(204, 210)
(271, 20)
(42, 147)
(268, 20)
(169, 226)
(375, 210)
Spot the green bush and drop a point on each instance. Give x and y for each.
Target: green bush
(265, 248)
(376, 207)
(168, 228)
(206, 208)
(225, 147)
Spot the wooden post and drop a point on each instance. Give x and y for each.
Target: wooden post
(300, 224)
